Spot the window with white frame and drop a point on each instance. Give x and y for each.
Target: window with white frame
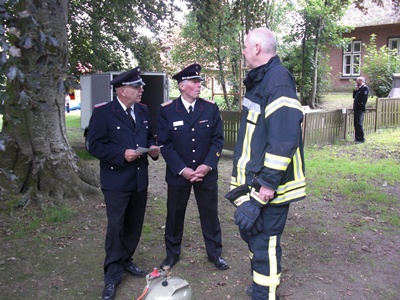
(352, 59)
(394, 44)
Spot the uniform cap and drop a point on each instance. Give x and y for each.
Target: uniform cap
(131, 78)
(190, 72)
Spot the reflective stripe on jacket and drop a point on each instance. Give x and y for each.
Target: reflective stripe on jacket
(269, 143)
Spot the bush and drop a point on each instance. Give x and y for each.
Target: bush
(379, 65)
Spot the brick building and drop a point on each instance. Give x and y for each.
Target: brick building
(384, 22)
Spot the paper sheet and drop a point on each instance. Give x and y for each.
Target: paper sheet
(145, 150)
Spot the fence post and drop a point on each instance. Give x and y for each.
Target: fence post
(304, 128)
(378, 113)
(345, 123)
(212, 88)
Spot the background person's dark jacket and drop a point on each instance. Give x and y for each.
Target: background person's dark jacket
(360, 97)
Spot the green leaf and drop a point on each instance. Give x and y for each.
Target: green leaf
(12, 73)
(23, 99)
(14, 51)
(24, 14)
(42, 36)
(52, 41)
(27, 42)
(3, 58)
(20, 75)
(4, 44)
(3, 98)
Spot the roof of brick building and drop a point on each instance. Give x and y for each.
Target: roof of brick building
(374, 15)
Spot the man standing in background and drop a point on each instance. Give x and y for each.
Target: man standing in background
(360, 96)
(268, 163)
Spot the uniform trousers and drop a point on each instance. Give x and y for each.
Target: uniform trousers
(207, 203)
(125, 216)
(358, 125)
(266, 252)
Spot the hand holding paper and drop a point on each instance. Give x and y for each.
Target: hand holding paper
(154, 151)
(145, 150)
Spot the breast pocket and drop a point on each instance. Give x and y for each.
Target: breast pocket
(206, 126)
(176, 132)
(205, 130)
(119, 134)
(144, 126)
(177, 128)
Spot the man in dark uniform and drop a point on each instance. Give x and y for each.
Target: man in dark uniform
(190, 131)
(360, 96)
(116, 129)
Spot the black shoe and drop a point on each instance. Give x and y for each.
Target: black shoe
(169, 261)
(219, 262)
(249, 291)
(109, 292)
(135, 271)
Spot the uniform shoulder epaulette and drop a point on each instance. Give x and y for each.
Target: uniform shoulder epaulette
(209, 101)
(166, 103)
(142, 104)
(100, 104)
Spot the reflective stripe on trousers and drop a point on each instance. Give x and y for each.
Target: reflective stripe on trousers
(266, 252)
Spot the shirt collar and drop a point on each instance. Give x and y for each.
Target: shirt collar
(123, 105)
(187, 104)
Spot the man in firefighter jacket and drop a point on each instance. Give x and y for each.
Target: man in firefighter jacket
(190, 131)
(268, 164)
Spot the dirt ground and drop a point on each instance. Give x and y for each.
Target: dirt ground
(321, 260)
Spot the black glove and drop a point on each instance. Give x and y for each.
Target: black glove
(236, 193)
(257, 227)
(247, 214)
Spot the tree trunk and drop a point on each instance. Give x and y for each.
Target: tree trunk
(37, 149)
(313, 94)
(223, 83)
(303, 63)
(221, 68)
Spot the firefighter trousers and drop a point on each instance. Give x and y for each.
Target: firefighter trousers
(266, 253)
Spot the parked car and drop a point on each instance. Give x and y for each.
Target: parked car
(72, 105)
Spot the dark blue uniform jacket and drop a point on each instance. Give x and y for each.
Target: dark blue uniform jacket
(111, 132)
(360, 97)
(190, 141)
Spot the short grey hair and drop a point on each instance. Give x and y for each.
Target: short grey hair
(265, 38)
(361, 78)
(184, 82)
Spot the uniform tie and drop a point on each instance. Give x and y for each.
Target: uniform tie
(129, 112)
(190, 110)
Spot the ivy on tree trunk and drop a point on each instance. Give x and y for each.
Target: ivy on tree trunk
(37, 150)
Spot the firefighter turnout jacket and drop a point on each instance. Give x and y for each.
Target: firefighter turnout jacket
(269, 144)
